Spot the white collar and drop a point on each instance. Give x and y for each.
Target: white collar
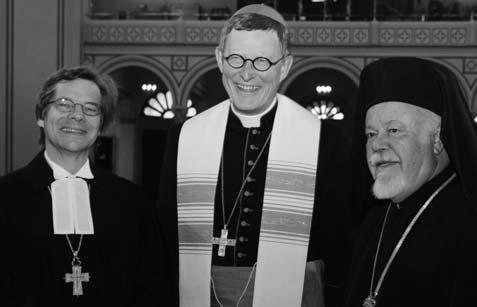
(70, 200)
(59, 172)
(252, 121)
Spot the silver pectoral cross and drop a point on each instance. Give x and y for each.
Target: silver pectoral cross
(370, 301)
(223, 242)
(77, 278)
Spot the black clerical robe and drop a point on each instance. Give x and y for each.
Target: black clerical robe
(329, 237)
(124, 257)
(437, 263)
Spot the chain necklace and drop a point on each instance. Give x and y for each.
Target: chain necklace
(76, 276)
(370, 300)
(223, 241)
(243, 292)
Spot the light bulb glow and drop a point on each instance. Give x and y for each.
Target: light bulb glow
(147, 87)
(324, 89)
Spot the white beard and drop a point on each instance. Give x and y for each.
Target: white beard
(388, 187)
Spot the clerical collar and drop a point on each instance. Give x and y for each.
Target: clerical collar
(59, 172)
(70, 200)
(252, 121)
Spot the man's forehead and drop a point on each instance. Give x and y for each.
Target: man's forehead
(397, 111)
(259, 40)
(272, 34)
(397, 107)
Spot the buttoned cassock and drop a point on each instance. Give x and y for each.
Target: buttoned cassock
(329, 233)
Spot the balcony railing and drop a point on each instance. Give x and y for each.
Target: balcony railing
(303, 33)
(311, 10)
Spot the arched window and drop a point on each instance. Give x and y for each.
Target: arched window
(207, 91)
(327, 93)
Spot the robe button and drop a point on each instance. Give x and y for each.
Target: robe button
(247, 193)
(253, 147)
(255, 131)
(250, 162)
(247, 210)
(241, 255)
(243, 239)
(250, 179)
(244, 224)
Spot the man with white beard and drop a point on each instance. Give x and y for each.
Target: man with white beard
(395, 180)
(417, 245)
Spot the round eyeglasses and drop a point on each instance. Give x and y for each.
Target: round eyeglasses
(260, 63)
(65, 105)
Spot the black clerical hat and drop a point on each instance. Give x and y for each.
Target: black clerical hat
(409, 80)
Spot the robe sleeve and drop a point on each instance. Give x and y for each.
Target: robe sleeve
(167, 208)
(154, 288)
(331, 228)
(464, 286)
(9, 294)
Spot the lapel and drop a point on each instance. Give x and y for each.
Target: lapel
(99, 182)
(38, 172)
(37, 177)
(40, 175)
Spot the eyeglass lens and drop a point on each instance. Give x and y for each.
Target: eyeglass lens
(65, 105)
(260, 63)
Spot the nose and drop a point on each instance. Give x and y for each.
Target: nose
(77, 112)
(247, 72)
(379, 143)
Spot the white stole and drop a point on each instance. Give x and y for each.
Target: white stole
(287, 208)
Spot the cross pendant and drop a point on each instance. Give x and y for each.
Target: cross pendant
(223, 242)
(370, 301)
(77, 278)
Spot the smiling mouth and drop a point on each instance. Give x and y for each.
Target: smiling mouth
(73, 130)
(384, 164)
(247, 88)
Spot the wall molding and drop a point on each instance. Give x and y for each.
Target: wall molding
(302, 33)
(184, 48)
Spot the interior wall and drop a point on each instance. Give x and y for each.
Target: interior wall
(38, 37)
(125, 151)
(5, 100)
(34, 57)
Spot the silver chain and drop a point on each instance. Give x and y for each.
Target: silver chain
(403, 237)
(75, 253)
(243, 182)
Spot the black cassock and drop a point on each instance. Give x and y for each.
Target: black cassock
(124, 257)
(329, 239)
(437, 263)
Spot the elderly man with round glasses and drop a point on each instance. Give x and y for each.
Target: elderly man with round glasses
(73, 234)
(253, 214)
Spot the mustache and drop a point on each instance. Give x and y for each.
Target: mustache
(376, 160)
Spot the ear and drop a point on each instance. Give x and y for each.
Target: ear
(40, 123)
(438, 146)
(218, 57)
(285, 68)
